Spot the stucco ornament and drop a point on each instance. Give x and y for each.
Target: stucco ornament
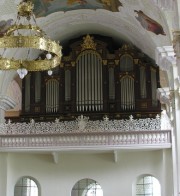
(83, 124)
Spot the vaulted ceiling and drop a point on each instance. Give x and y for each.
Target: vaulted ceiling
(145, 23)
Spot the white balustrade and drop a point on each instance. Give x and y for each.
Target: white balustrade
(83, 133)
(111, 139)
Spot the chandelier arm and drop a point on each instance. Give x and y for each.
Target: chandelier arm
(35, 42)
(33, 65)
(25, 27)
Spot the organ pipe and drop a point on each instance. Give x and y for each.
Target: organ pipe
(27, 92)
(111, 84)
(127, 93)
(126, 63)
(52, 96)
(153, 87)
(37, 87)
(143, 82)
(89, 90)
(67, 85)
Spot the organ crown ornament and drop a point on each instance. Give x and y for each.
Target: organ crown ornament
(88, 43)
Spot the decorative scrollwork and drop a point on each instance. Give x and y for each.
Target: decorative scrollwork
(83, 124)
(88, 43)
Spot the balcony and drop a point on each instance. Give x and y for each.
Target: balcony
(83, 134)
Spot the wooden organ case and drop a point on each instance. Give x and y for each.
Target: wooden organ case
(95, 82)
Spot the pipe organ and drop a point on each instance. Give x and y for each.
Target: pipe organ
(95, 78)
(89, 92)
(52, 96)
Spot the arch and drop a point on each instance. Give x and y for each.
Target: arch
(27, 186)
(147, 185)
(126, 63)
(14, 92)
(87, 187)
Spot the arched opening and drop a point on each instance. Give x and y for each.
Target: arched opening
(87, 187)
(148, 185)
(26, 186)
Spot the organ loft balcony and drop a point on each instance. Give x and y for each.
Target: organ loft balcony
(83, 133)
(102, 96)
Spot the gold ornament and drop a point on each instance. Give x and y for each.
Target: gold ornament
(34, 38)
(88, 43)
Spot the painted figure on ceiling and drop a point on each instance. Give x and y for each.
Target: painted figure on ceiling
(149, 24)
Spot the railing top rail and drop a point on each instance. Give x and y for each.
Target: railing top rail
(86, 133)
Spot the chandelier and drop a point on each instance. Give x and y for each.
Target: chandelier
(25, 39)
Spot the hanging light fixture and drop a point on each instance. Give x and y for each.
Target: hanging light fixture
(25, 35)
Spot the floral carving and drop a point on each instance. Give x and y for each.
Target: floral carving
(83, 124)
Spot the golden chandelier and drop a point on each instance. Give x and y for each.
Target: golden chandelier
(26, 36)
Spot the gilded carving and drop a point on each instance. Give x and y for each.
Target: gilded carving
(73, 63)
(116, 62)
(88, 43)
(144, 105)
(104, 62)
(67, 58)
(37, 41)
(136, 61)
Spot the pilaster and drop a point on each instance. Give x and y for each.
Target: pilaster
(165, 96)
(176, 73)
(176, 46)
(167, 59)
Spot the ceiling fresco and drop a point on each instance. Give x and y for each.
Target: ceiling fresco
(149, 24)
(46, 7)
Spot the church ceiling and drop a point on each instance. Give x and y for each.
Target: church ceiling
(46, 7)
(146, 24)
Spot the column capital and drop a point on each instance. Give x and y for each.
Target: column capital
(176, 43)
(165, 4)
(165, 57)
(165, 96)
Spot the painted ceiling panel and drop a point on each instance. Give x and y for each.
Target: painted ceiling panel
(143, 23)
(46, 7)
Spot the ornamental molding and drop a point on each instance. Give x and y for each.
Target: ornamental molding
(6, 103)
(88, 43)
(176, 43)
(165, 4)
(165, 57)
(83, 125)
(164, 95)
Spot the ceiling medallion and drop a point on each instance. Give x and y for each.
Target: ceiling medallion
(26, 38)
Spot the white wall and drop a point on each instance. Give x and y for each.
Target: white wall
(116, 179)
